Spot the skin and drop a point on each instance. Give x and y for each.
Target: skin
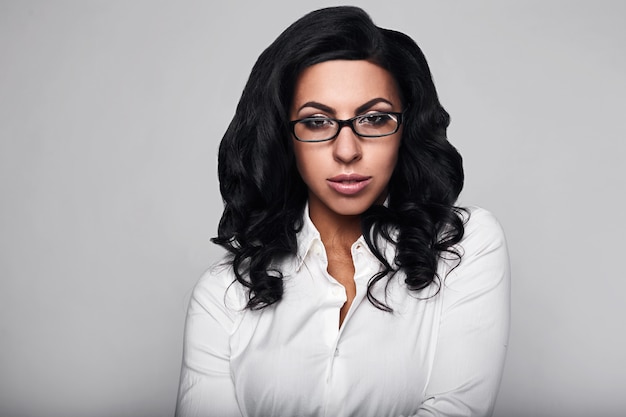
(343, 89)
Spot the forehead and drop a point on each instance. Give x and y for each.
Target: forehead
(344, 83)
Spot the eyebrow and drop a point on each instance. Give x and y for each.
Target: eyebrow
(359, 109)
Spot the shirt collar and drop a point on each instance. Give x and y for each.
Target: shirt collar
(309, 236)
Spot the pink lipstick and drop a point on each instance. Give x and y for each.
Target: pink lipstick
(348, 184)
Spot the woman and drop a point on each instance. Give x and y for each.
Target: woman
(353, 286)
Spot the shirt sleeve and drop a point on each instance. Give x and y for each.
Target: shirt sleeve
(474, 327)
(206, 387)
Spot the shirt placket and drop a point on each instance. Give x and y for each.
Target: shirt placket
(364, 268)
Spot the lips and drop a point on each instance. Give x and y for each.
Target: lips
(348, 184)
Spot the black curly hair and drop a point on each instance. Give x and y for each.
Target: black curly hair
(264, 195)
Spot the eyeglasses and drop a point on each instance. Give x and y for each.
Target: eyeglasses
(322, 129)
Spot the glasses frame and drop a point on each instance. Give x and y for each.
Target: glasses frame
(344, 123)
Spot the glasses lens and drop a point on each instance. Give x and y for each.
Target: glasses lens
(376, 124)
(315, 129)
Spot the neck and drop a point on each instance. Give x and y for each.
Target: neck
(338, 232)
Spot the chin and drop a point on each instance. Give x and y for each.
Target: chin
(351, 208)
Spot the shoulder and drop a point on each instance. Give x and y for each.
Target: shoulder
(482, 229)
(217, 293)
(484, 253)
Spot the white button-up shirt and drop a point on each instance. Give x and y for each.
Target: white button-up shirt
(440, 353)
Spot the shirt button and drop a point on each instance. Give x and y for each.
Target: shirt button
(336, 352)
(336, 291)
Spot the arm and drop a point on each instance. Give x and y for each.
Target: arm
(206, 387)
(474, 327)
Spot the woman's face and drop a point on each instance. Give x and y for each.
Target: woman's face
(348, 174)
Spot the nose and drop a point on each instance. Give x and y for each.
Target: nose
(347, 146)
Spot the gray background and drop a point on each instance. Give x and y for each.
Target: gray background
(110, 117)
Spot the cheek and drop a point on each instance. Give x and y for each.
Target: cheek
(389, 158)
(304, 161)
(297, 153)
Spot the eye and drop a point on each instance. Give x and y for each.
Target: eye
(375, 119)
(317, 123)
